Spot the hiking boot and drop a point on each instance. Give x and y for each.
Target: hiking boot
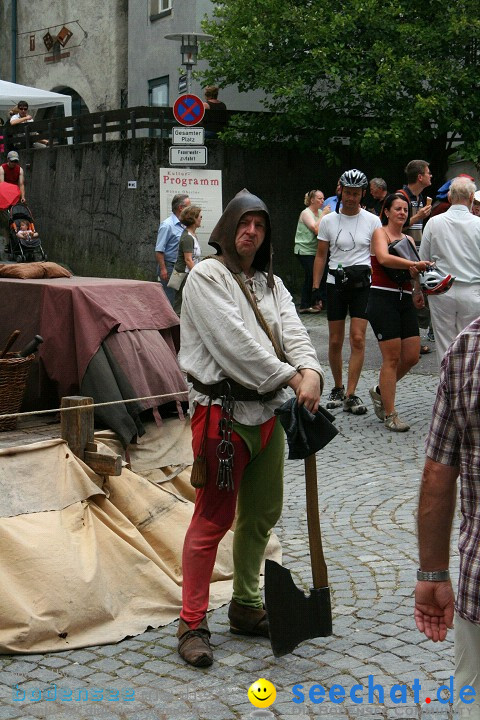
(336, 398)
(377, 402)
(354, 405)
(393, 423)
(246, 620)
(194, 645)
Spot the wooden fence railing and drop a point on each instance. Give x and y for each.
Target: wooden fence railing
(100, 126)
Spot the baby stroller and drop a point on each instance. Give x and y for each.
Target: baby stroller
(23, 249)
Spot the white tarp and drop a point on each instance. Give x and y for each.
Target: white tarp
(12, 93)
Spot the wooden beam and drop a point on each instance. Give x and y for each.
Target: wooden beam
(103, 464)
(77, 426)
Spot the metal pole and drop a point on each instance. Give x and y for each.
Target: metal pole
(189, 78)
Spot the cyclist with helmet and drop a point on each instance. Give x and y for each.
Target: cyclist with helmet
(391, 308)
(347, 234)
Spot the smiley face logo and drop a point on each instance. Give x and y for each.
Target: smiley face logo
(262, 693)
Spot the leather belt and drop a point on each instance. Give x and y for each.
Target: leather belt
(228, 386)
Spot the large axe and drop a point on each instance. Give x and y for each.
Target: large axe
(292, 616)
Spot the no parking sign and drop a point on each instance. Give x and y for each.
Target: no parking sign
(188, 109)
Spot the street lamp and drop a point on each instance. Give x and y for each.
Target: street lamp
(189, 50)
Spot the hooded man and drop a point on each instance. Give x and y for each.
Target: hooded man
(238, 368)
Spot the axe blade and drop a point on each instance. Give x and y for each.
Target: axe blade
(292, 616)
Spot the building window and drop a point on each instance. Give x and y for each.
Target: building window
(158, 91)
(159, 9)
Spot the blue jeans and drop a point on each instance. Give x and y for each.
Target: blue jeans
(169, 292)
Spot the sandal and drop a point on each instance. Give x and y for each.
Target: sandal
(425, 349)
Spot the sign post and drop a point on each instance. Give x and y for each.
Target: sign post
(188, 148)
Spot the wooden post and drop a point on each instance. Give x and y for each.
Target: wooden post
(103, 127)
(133, 126)
(76, 131)
(77, 426)
(51, 154)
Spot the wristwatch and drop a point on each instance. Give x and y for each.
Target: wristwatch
(433, 575)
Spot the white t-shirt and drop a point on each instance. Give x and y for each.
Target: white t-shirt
(349, 238)
(18, 116)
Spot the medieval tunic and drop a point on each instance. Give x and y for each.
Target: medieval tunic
(241, 350)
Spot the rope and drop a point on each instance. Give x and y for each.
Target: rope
(93, 405)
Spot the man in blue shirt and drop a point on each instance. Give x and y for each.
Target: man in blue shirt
(168, 237)
(332, 201)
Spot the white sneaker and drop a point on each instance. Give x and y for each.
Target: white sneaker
(392, 422)
(377, 403)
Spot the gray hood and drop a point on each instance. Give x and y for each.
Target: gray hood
(223, 234)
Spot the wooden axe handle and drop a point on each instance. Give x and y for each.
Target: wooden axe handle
(10, 342)
(319, 567)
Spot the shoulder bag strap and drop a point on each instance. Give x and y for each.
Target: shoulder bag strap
(258, 314)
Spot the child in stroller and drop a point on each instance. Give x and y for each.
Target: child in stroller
(26, 232)
(25, 243)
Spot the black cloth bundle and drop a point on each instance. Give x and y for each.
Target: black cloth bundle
(306, 432)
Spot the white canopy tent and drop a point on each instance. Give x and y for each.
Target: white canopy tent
(12, 93)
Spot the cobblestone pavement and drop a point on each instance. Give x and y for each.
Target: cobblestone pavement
(368, 485)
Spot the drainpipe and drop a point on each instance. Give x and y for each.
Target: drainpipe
(14, 41)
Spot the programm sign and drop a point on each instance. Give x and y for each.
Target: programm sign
(204, 188)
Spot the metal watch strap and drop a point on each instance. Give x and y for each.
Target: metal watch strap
(433, 575)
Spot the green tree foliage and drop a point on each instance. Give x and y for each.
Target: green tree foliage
(383, 73)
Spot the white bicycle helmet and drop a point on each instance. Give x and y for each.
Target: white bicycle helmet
(435, 282)
(354, 178)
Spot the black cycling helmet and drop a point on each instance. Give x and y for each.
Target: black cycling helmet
(354, 179)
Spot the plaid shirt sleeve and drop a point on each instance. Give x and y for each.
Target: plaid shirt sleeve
(443, 444)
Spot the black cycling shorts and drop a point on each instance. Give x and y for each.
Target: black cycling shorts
(347, 301)
(390, 316)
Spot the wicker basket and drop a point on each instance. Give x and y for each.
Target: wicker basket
(13, 380)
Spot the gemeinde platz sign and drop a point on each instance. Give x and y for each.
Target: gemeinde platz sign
(178, 155)
(204, 188)
(188, 135)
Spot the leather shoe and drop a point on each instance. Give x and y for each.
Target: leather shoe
(245, 620)
(194, 645)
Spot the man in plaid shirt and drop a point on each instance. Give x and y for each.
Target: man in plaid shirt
(453, 449)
